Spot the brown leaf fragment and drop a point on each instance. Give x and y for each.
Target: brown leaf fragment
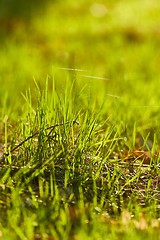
(141, 155)
(142, 223)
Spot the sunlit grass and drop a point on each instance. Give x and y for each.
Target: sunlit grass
(79, 129)
(64, 166)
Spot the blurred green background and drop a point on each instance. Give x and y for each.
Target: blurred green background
(117, 40)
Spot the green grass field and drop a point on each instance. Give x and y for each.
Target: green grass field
(79, 120)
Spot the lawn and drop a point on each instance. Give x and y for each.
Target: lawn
(79, 120)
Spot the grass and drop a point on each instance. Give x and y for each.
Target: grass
(79, 129)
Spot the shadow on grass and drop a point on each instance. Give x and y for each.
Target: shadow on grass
(19, 13)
